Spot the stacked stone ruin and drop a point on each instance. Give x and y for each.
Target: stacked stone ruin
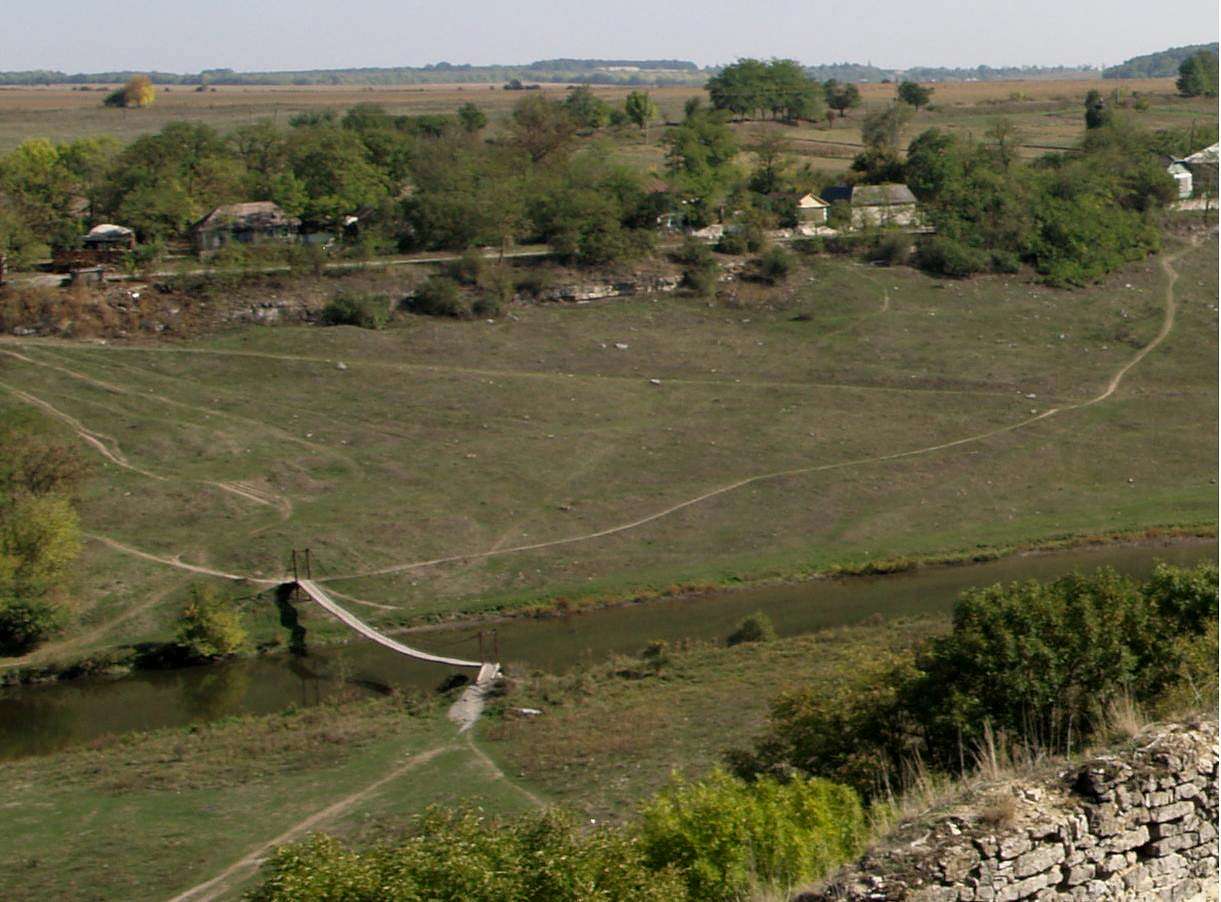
(1137, 824)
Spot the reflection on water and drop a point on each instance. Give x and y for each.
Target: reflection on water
(39, 719)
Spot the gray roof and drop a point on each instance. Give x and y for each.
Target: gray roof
(881, 195)
(257, 215)
(1207, 155)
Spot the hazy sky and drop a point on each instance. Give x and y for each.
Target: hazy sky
(174, 35)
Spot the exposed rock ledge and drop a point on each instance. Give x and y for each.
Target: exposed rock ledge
(1137, 824)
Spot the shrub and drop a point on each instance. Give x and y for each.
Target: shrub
(463, 856)
(948, 257)
(1005, 261)
(467, 269)
(694, 254)
(701, 281)
(368, 311)
(892, 249)
(25, 622)
(757, 627)
(439, 296)
(1035, 663)
(775, 266)
(209, 626)
(733, 243)
(728, 837)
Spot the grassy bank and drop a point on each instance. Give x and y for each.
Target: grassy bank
(142, 816)
(480, 443)
(611, 735)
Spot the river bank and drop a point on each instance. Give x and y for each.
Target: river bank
(120, 662)
(67, 713)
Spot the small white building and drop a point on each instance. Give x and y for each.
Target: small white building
(1182, 177)
(812, 209)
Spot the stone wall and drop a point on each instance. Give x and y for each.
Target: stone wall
(1137, 824)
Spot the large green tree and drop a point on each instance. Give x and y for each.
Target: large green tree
(1198, 75)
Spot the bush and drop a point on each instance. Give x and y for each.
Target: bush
(1038, 664)
(25, 622)
(702, 281)
(694, 254)
(892, 249)
(733, 243)
(728, 837)
(775, 266)
(368, 311)
(948, 257)
(1005, 262)
(462, 856)
(467, 269)
(755, 628)
(439, 296)
(209, 626)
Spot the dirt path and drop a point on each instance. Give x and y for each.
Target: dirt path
(498, 774)
(248, 864)
(1111, 386)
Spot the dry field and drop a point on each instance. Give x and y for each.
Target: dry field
(1048, 113)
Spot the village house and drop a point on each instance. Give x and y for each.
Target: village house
(105, 245)
(110, 237)
(261, 222)
(875, 205)
(812, 209)
(1203, 169)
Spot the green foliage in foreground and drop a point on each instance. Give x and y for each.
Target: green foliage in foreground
(464, 857)
(716, 838)
(1042, 663)
(210, 626)
(728, 837)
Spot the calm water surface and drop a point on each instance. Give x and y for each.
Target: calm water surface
(40, 719)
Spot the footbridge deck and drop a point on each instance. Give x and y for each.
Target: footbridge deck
(487, 670)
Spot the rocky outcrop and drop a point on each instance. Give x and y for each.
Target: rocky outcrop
(596, 291)
(1137, 824)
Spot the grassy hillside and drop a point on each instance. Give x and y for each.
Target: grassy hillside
(810, 428)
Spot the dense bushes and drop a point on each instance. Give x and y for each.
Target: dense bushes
(948, 257)
(462, 857)
(1039, 663)
(716, 838)
(209, 626)
(438, 296)
(726, 837)
(39, 533)
(368, 311)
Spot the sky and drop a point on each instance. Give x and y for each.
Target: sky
(260, 35)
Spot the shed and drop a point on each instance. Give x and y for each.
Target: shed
(1182, 178)
(812, 209)
(1203, 168)
(109, 236)
(261, 222)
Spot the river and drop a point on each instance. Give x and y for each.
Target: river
(42, 719)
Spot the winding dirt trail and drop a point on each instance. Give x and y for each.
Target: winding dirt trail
(248, 864)
(1112, 385)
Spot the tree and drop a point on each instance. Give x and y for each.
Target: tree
(640, 109)
(1003, 137)
(471, 117)
(883, 128)
(1198, 75)
(585, 108)
(914, 94)
(138, 92)
(542, 129)
(1097, 114)
(771, 159)
(209, 626)
(842, 97)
